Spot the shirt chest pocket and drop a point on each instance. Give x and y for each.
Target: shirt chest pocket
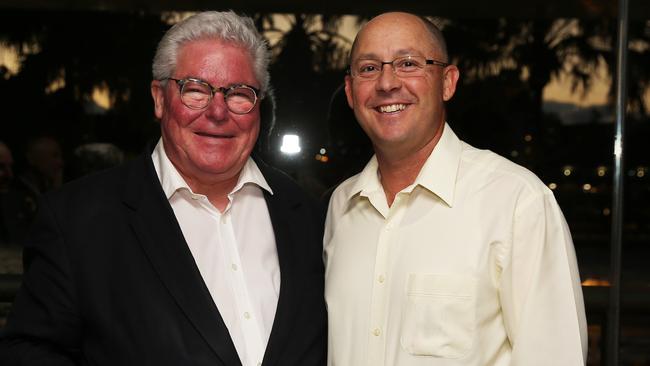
(439, 315)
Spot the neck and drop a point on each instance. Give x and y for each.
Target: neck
(399, 169)
(216, 190)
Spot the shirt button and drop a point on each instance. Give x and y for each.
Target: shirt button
(233, 266)
(376, 332)
(381, 279)
(247, 315)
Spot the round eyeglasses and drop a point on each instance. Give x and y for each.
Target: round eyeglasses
(197, 94)
(404, 66)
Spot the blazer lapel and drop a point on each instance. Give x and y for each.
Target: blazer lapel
(282, 211)
(159, 233)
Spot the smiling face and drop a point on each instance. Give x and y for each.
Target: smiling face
(213, 144)
(402, 116)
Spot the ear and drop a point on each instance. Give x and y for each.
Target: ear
(348, 90)
(450, 79)
(158, 94)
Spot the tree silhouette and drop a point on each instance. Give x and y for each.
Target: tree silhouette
(65, 56)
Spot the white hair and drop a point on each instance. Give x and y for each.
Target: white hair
(226, 26)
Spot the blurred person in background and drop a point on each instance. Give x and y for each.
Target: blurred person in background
(6, 179)
(44, 165)
(16, 206)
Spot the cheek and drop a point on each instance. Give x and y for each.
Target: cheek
(179, 116)
(249, 123)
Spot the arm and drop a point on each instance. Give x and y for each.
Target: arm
(541, 294)
(44, 326)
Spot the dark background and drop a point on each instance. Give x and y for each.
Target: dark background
(505, 61)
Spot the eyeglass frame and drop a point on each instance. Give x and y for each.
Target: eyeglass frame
(427, 61)
(213, 90)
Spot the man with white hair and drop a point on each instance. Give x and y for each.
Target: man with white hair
(192, 254)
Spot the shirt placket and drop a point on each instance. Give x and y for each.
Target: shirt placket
(380, 289)
(249, 322)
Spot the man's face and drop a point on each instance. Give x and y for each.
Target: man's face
(46, 157)
(6, 167)
(400, 115)
(212, 143)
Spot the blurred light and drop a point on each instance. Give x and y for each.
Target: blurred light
(595, 282)
(528, 138)
(586, 187)
(601, 171)
(290, 144)
(552, 185)
(323, 151)
(322, 158)
(640, 171)
(567, 170)
(606, 211)
(631, 173)
(55, 85)
(514, 153)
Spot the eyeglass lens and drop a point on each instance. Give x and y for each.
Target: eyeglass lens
(197, 95)
(402, 66)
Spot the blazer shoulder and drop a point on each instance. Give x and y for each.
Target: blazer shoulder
(286, 189)
(100, 186)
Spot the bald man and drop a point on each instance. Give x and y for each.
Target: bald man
(438, 253)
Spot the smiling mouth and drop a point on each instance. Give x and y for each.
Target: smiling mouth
(391, 108)
(205, 134)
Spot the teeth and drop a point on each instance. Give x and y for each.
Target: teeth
(392, 108)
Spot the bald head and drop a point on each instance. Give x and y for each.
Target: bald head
(396, 18)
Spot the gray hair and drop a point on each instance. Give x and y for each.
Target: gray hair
(226, 26)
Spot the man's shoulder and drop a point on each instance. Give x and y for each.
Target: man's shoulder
(342, 193)
(283, 185)
(344, 189)
(100, 186)
(490, 166)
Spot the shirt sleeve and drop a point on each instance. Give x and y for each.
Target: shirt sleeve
(540, 292)
(43, 327)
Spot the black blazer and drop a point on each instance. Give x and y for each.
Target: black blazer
(110, 280)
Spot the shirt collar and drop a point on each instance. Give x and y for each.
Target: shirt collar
(438, 174)
(172, 181)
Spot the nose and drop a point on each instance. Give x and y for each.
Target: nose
(387, 80)
(217, 109)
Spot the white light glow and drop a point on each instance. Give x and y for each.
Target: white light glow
(290, 144)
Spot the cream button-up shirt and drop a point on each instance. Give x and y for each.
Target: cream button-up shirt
(234, 251)
(473, 264)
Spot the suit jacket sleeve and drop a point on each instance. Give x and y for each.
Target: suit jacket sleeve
(44, 326)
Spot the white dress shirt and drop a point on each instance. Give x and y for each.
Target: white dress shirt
(234, 251)
(472, 264)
